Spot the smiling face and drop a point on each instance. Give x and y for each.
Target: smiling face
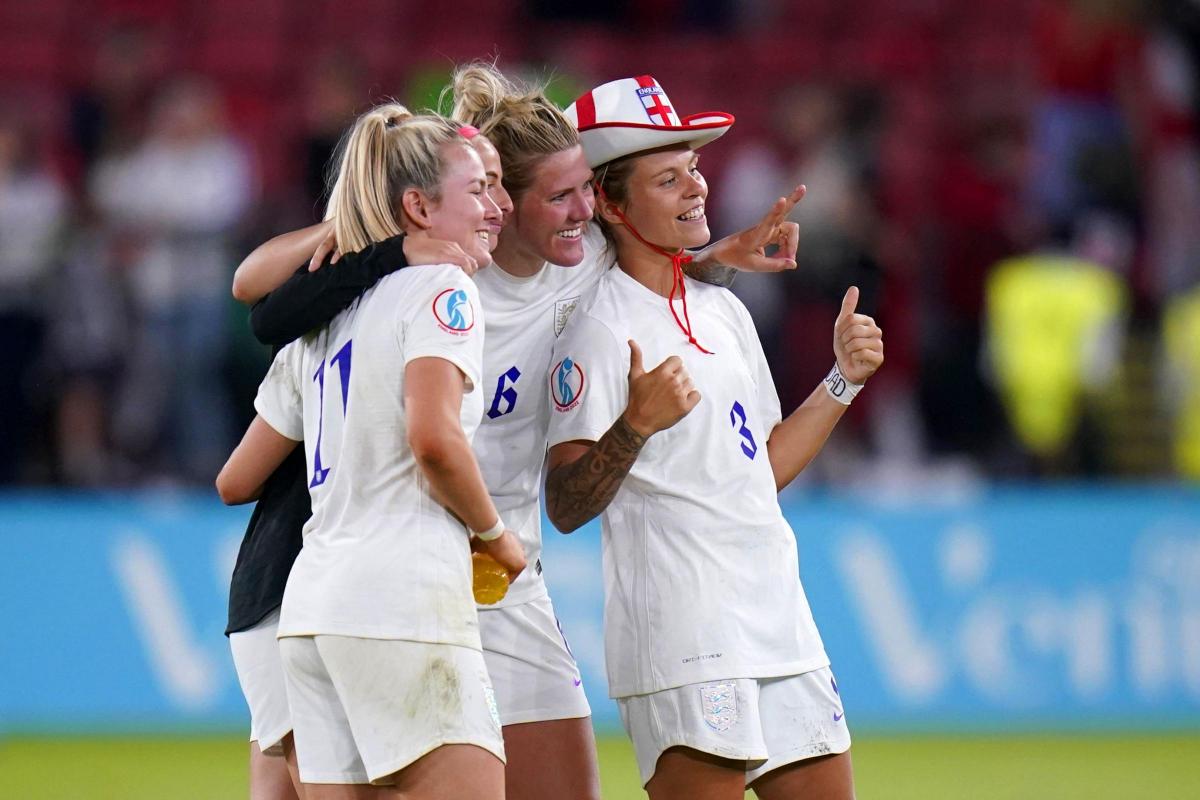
(495, 187)
(464, 213)
(548, 222)
(663, 199)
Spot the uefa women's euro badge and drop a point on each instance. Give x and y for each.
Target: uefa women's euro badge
(566, 384)
(719, 704)
(453, 311)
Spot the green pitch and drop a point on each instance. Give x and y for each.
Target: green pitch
(894, 767)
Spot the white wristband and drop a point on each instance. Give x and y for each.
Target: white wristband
(839, 388)
(491, 533)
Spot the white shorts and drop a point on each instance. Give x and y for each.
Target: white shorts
(766, 722)
(260, 672)
(530, 664)
(364, 709)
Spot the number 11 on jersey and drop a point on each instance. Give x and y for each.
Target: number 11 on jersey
(342, 359)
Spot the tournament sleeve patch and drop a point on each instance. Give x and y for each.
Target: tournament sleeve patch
(453, 311)
(566, 384)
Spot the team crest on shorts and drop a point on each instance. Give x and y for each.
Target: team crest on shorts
(562, 312)
(566, 384)
(718, 702)
(453, 312)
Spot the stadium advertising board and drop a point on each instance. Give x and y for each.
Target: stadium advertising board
(1012, 609)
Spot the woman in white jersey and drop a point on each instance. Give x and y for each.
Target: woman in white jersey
(274, 535)
(548, 257)
(719, 672)
(378, 629)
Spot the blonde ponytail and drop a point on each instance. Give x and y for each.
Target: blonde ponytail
(387, 151)
(524, 125)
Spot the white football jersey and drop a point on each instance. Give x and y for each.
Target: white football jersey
(524, 316)
(700, 567)
(381, 557)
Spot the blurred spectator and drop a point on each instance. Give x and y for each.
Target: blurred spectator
(809, 143)
(180, 193)
(337, 91)
(1171, 156)
(1087, 52)
(90, 335)
(1055, 324)
(1181, 330)
(33, 209)
(108, 115)
(977, 204)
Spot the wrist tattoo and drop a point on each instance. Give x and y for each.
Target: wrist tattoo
(577, 492)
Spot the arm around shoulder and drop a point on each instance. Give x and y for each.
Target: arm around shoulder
(274, 261)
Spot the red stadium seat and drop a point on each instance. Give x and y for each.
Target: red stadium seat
(249, 60)
(31, 59)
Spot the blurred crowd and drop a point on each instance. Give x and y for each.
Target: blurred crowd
(1013, 184)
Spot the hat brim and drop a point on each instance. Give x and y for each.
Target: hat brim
(606, 141)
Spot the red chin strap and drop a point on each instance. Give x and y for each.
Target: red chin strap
(678, 259)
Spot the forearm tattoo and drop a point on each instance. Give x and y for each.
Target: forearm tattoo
(577, 492)
(711, 272)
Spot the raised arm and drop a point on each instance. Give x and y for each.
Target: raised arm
(583, 477)
(273, 262)
(858, 349)
(309, 299)
(747, 251)
(433, 391)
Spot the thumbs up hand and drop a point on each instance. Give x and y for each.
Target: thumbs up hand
(659, 398)
(857, 341)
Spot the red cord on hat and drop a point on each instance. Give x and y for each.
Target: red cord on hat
(678, 259)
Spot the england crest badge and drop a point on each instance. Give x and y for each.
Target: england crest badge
(718, 701)
(562, 312)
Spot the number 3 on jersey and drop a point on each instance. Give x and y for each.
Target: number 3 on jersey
(342, 359)
(737, 418)
(505, 392)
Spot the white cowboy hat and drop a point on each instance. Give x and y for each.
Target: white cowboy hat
(630, 115)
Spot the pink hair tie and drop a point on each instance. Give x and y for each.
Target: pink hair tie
(468, 131)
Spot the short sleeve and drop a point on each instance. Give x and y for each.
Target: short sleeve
(447, 323)
(279, 401)
(589, 381)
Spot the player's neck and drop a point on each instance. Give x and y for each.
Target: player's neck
(650, 269)
(510, 257)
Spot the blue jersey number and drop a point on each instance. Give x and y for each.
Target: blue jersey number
(342, 359)
(737, 418)
(506, 393)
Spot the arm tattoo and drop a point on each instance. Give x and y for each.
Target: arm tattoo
(716, 274)
(577, 492)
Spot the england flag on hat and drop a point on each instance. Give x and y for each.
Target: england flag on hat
(630, 115)
(658, 106)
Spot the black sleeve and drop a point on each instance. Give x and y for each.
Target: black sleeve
(311, 299)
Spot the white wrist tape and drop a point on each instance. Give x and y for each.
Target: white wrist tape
(839, 388)
(491, 533)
